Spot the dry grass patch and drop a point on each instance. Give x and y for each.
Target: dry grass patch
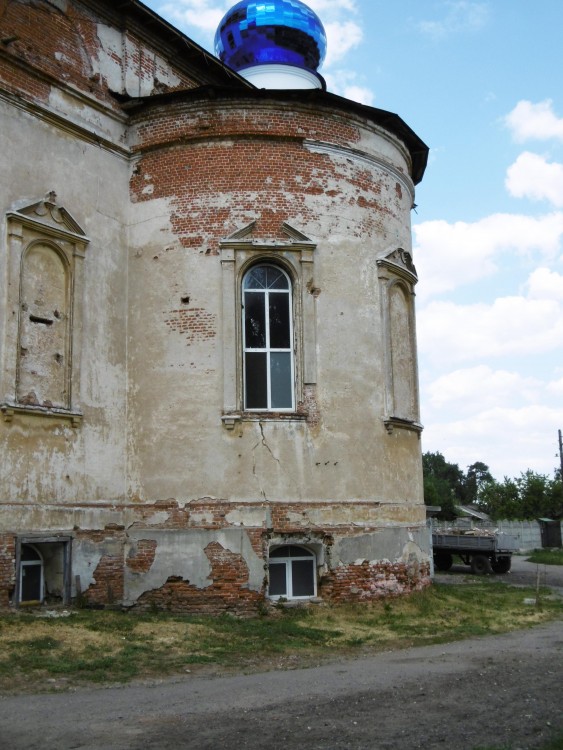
(109, 647)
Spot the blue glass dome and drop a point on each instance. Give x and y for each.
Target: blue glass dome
(259, 32)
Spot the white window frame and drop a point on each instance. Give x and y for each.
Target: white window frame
(268, 350)
(287, 561)
(295, 256)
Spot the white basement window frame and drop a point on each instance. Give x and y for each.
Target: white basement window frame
(292, 573)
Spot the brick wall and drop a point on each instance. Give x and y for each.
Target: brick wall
(227, 589)
(7, 568)
(45, 45)
(368, 581)
(212, 161)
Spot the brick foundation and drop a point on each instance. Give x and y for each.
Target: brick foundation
(7, 568)
(368, 581)
(227, 592)
(110, 557)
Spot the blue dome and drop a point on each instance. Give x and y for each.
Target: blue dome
(262, 32)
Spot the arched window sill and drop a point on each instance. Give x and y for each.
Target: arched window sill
(10, 410)
(396, 423)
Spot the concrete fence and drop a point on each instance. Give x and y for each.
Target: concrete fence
(528, 533)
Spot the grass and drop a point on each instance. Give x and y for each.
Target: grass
(547, 557)
(115, 647)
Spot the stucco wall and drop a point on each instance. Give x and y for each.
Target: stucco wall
(161, 489)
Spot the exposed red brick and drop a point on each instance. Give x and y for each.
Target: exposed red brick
(7, 568)
(141, 558)
(228, 591)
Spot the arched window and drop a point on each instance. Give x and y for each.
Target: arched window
(267, 339)
(292, 573)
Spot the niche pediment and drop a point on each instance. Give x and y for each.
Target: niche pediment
(400, 262)
(246, 236)
(49, 214)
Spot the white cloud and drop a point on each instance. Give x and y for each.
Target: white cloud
(534, 121)
(532, 176)
(334, 7)
(509, 440)
(510, 326)
(451, 255)
(341, 38)
(460, 16)
(480, 386)
(556, 387)
(545, 284)
(345, 83)
(195, 14)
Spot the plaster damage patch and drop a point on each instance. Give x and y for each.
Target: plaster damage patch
(178, 553)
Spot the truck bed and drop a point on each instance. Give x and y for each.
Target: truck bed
(471, 543)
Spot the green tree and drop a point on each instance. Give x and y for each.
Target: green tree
(528, 497)
(443, 483)
(500, 499)
(478, 475)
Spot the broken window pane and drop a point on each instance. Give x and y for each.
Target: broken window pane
(254, 320)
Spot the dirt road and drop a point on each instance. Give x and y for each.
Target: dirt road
(504, 691)
(499, 691)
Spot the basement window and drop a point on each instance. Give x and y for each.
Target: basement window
(292, 573)
(31, 575)
(43, 566)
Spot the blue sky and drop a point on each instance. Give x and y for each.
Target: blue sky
(481, 83)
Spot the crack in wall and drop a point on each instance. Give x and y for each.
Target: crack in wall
(264, 443)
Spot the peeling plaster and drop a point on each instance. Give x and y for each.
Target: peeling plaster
(383, 544)
(179, 553)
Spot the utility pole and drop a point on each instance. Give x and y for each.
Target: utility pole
(561, 454)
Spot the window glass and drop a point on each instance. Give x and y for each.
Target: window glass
(278, 311)
(254, 320)
(256, 366)
(29, 553)
(302, 578)
(278, 582)
(280, 380)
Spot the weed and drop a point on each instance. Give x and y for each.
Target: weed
(547, 557)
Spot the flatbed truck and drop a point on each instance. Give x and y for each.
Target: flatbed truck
(485, 553)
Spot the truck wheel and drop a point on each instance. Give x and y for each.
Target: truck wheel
(501, 564)
(480, 564)
(443, 560)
